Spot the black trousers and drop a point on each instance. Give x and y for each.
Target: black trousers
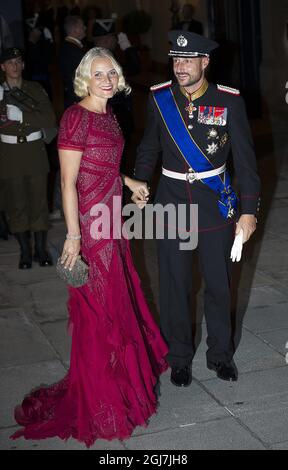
(175, 272)
(26, 204)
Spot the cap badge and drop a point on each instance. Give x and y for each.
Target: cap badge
(182, 41)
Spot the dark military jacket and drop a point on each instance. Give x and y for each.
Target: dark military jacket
(220, 124)
(28, 158)
(70, 56)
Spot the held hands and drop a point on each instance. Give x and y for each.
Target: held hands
(140, 192)
(14, 113)
(245, 227)
(71, 250)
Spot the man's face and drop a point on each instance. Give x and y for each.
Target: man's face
(190, 70)
(80, 30)
(13, 68)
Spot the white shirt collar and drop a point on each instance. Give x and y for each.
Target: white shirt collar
(77, 41)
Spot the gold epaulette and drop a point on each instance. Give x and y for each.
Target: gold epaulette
(227, 89)
(161, 85)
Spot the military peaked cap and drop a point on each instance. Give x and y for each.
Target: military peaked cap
(187, 44)
(11, 53)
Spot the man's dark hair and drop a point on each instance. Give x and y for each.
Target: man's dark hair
(70, 23)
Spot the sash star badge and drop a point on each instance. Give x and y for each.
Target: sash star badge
(212, 134)
(182, 41)
(212, 148)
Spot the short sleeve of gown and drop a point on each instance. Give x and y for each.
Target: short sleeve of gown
(73, 129)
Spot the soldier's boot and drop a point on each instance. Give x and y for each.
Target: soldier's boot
(41, 254)
(4, 231)
(25, 247)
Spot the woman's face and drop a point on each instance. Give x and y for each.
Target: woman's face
(104, 78)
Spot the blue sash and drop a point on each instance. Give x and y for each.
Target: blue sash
(193, 155)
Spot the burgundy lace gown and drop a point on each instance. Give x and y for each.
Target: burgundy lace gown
(117, 351)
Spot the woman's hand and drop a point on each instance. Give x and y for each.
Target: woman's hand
(140, 191)
(71, 250)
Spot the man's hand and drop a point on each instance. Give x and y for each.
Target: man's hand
(14, 113)
(247, 223)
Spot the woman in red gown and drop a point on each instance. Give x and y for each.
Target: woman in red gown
(117, 351)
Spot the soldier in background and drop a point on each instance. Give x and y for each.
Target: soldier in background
(24, 110)
(6, 40)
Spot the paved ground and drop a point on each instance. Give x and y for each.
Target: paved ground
(211, 414)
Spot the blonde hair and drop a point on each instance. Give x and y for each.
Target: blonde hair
(83, 72)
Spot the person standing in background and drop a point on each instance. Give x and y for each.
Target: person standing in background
(25, 110)
(104, 35)
(61, 14)
(188, 22)
(6, 40)
(70, 55)
(39, 53)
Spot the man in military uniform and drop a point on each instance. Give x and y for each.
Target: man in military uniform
(24, 111)
(195, 124)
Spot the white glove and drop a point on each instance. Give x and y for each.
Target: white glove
(47, 34)
(123, 41)
(14, 113)
(236, 250)
(1, 92)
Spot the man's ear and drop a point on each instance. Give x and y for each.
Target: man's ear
(205, 62)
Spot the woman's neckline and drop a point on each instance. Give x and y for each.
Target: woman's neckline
(94, 112)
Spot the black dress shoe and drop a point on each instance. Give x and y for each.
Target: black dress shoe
(24, 263)
(44, 259)
(224, 370)
(41, 254)
(181, 377)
